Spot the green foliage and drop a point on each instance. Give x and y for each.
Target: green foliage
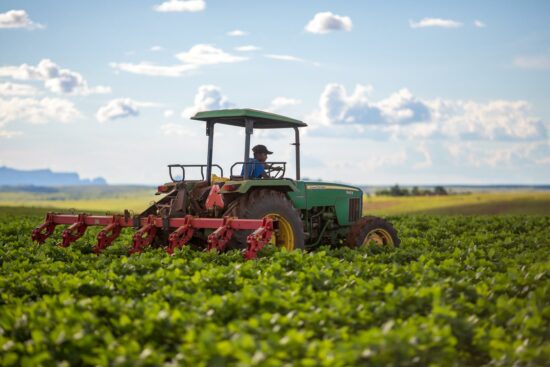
(460, 291)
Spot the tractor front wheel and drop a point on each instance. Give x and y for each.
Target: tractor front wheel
(372, 229)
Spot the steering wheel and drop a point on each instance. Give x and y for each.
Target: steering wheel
(274, 171)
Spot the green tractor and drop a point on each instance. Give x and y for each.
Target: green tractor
(238, 211)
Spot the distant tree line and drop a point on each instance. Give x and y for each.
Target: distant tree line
(415, 191)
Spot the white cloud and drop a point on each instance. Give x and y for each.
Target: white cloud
(7, 134)
(425, 152)
(19, 90)
(532, 62)
(156, 48)
(479, 24)
(196, 57)
(499, 155)
(247, 48)
(435, 22)
(55, 79)
(17, 19)
(498, 120)
(284, 58)
(181, 6)
(403, 116)
(168, 113)
(207, 55)
(144, 68)
(237, 33)
(37, 111)
(208, 97)
(326, 22)
(176, 129)
(121, 108)
(337, 107)
(282, 102)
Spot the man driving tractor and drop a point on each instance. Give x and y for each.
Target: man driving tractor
(256, 165)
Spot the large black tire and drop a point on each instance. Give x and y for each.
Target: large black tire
(259, 203)
(373, 229)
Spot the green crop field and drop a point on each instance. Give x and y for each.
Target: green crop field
(461, 290)
(503, 202)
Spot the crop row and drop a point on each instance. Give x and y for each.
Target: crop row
(460, 291)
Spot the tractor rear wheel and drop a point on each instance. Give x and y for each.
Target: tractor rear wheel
(260, 203)
(372, 229)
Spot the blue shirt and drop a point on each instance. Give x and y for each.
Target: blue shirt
(255, 168)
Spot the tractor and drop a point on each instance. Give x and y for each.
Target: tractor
(236, 211)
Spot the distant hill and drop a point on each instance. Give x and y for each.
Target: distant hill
(44, 177)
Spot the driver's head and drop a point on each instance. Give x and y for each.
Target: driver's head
(261, 152)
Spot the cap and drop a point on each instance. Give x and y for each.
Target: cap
(261, 149)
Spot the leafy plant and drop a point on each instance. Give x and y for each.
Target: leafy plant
(460, 291)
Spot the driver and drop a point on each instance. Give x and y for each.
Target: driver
(256, 165)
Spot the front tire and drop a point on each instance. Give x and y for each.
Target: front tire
(372, 229)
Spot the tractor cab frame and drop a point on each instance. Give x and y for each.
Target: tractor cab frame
(248, 119)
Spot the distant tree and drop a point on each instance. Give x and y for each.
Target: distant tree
(440, 190)
(415, 191)
(398, 191)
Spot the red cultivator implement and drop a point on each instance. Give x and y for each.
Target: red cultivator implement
(182, 230)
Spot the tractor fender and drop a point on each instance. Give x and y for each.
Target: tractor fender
(242, 187)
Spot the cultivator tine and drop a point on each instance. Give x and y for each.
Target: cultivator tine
(259, 238)
(147, 228)
(218, 239)
(181, 236)
(45, 230)
(108, 234)
(144, 236)
(74, 231)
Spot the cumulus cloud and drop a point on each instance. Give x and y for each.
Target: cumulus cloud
(336, 106)
(37, 111)
(120, 108)
(402, 115)
(435, 22)
(532, 62)
(168, 113)
(207, 55)
(17, 19)
(279, 103)
(144, 68)
(180, 6)
(208, 97)
(237, 33)
(326, 22)
(19, 90)
(156, 48)
(247, 48)
(55, 79)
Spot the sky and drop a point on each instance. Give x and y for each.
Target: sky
(424, 92)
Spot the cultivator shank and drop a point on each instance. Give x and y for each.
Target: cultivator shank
(183, 230)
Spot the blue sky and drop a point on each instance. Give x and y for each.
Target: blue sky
(394, 92)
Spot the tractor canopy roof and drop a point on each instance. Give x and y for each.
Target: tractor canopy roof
(236, 117)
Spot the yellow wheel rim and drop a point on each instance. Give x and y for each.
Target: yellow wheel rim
(379, 236)
(284, 236)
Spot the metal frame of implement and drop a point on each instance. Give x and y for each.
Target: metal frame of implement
(147, 228)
